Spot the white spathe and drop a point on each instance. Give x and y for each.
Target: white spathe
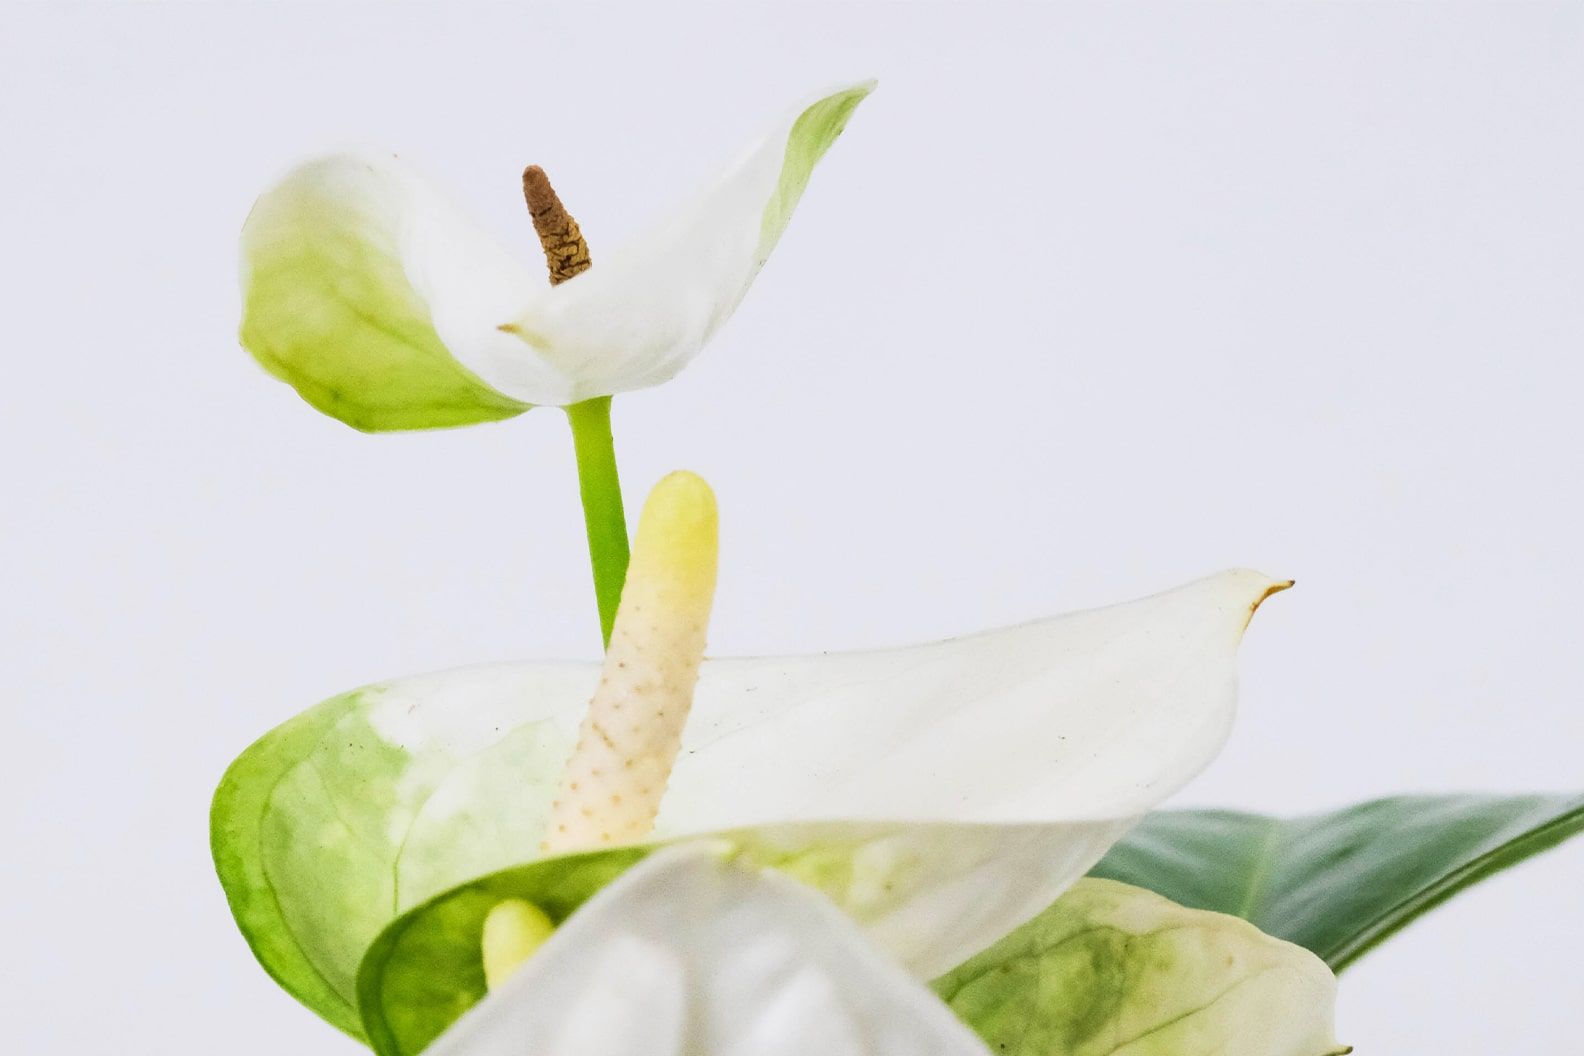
(369, 236)
(644, 311)
(941, 793)
(693, 954)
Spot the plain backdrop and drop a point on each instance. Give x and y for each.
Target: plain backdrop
(1087, 302)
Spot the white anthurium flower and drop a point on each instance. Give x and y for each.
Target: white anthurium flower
(697, 952)
(940, 794)
(694, 954)
(386, 307)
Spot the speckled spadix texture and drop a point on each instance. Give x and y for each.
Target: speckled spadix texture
(611, 790)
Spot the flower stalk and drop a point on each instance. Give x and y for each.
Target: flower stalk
(604, 519)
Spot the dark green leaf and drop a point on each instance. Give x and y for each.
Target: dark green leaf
(1339, 883)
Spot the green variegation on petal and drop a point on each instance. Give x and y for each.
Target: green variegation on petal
(352, 269)
(940, 794)
(1113, 970)
(388, 308)
(694, 953)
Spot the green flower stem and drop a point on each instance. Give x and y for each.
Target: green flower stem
(603, 516)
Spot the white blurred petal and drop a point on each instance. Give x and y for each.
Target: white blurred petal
(690, 954)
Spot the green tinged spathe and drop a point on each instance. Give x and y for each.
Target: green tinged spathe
(329, 307)
(388, 308)
(922, 784)
(728, 951)
(1113, 970)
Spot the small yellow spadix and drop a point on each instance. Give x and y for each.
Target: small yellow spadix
(513, 930)
(611, 788)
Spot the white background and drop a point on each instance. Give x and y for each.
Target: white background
(1088, 301)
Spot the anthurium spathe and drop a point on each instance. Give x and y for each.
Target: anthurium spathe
(385, 306)
(1114, 970)
(939, 794)
(694, 954)
(697, 949)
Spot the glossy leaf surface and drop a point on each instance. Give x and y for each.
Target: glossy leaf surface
(1339, 883)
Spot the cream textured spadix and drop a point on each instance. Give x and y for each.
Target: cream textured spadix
(973, 779)
(691, 954)
(386, 307)
(628, 742)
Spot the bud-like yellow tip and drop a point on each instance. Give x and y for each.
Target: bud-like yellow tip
(513, 930)
(678, 541)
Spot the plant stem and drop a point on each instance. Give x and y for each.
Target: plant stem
(603, 517)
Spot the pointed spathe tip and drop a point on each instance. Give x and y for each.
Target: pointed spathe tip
(1274, 587)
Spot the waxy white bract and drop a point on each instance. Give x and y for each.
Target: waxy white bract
(692, 954)
(387, 307)
(940, 794)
